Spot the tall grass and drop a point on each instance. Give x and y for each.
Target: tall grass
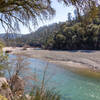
(37, 91)
(36, 95)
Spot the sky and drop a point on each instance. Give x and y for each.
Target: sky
(61, 16)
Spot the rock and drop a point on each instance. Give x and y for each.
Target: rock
(8, 51)
(4, 89)
(28, 97)
(17, 85)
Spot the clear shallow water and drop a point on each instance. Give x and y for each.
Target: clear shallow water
(71, 86)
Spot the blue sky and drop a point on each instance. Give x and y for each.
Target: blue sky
(61, 16)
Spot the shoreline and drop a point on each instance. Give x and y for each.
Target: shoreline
(66, 59)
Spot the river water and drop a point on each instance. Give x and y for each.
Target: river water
(71, 85)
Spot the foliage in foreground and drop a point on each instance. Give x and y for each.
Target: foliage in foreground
(3, 57)
(18, 67)
(37, 95)
(19, 74)
(2, 98)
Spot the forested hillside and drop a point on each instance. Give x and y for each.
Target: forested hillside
(36, 39)
(39, 37)
(76, 33)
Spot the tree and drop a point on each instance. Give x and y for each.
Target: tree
(14, 12)
(69, 18)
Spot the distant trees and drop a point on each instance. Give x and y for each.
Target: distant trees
(34, 39)
(69, 18)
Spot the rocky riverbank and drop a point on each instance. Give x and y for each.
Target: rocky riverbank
(87, 59)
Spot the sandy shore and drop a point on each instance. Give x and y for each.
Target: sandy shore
(87, 59)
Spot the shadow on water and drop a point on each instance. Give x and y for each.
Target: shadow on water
(85, 51)
(72, 51)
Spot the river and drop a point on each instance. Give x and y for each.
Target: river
(71, 85)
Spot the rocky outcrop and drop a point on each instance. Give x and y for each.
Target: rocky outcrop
(5, 89)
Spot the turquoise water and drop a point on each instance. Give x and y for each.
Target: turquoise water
(71, 85)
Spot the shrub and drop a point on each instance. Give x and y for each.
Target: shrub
(3, 98)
